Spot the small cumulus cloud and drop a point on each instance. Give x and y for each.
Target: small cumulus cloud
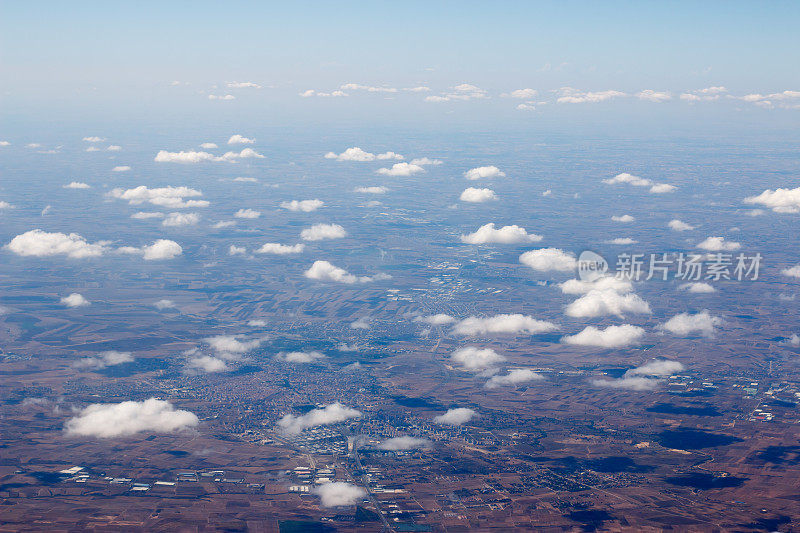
(129, 418)
(686, 324)
(483, 173)
(306, 206)
(330, 414)
(611, 337)
(514, 377)
(510, 323)
(456, 417)
(474, 359)
(401, 169)
(339, 494)
(488, 234)
(475, 195)
(319, 232)
(547, 259)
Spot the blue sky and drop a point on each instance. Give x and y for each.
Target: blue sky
(93, 56)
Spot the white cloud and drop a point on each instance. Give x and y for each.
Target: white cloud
(5, 205)
(40, 243)
(368, 88)
(94, 139)
(242, 179)
(164, 304)
(206, 363)
(658, 368)
(474, 195)
(505, 235)
(718, 244)
(361, 323)
(654, 96)
(357, 154)
(476, 359)
(779, 200)
(75, 300)
(230, 344)
(546, 259)
(404, 443)
(372, 190)
(144, 215)
(169, 197)
(128, 418)
(305, 206)
(456, 417)
(242, 85)
(464, 91)
(257, 323)
(338, 494)
(422, 161)
(623, 218)
(686, 324)
(630, 179)
(697, 287)
(325, 271)
(181, 219)
(224, 224)
(5, 143)
(319, 232)
(574, 96)
(483, 172)
(644, 377)
(516, 323)
(679, 225)
(105, 359)
(113, 148)
(330, 414)
(611, 337)
(300, 357)
(628, 383)
(661, 188)
(121, 168)
(400, 169)
(440, 319)
(223, 97)
(161, 249)
(280, 249)
(602, 283)
(209, 146)
(77, 185)
(185, 157)
(707, 94)
(523, 94)
(311, 92)
(240, 139)
(785, 99)
(792, 272)
(600, 302)
(793, 340)
(237, 250)
(247, 213)
(514, 377)
(622, 241)
(246, 153)
(192, 157)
